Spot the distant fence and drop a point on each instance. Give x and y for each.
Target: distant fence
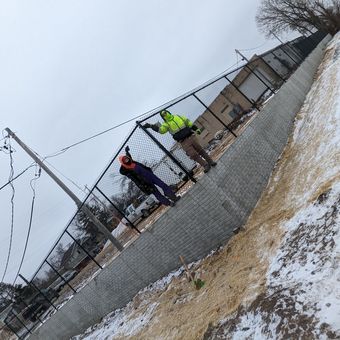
(222, 106)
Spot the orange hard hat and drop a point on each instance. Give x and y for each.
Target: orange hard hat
(123, 159)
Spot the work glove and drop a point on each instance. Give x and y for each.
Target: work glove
(154, 127)
(196, 129)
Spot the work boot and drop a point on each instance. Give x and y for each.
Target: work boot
(176, 198)
(206, 168)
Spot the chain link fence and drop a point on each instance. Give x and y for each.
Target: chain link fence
(221, 109)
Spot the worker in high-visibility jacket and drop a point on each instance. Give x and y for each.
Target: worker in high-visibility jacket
(183, 131)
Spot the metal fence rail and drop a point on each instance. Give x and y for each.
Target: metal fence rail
(220, 108)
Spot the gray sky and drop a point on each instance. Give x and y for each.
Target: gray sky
(70, 69)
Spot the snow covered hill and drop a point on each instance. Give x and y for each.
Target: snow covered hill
(278, 278)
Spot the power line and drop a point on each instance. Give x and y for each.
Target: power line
(32, 185)
(17, 176)
(237, 61)
(254, 48)
(5, 148)
(69, 179)
(10, 178)
(96, 135)
(62, 174)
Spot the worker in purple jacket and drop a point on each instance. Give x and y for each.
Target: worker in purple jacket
(145, 179)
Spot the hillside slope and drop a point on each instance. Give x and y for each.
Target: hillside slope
(280, 276)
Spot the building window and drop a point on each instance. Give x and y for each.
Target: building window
(225, 108)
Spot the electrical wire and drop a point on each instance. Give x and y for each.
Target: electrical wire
(10, 178)
(32, 185)
(69, 179)
(96, 135)
(17, 176)
(7, 149)
(43, 159)
(254, 48)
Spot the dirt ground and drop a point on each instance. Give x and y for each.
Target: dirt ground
(282, 311)
(6, 335)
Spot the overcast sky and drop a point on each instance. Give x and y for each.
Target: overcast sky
(70, 69)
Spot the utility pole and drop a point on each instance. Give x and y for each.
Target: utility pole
(241, 55)
(77, 201)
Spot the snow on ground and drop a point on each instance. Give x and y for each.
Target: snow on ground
(120, 322)
(119, 230)
(279, 277)
(302, 296)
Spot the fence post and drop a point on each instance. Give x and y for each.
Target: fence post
(208, 108)
(85, 251)
(282, 48)
(297, 62)
(24, 302)
(121, 212)
(311, 41)
(261, 80)
(289, 67)
(253, 104)
(253, 72)
(60, 276)
(16, 316)
(40, 292)
(266, 63)
(7, 324)
(174, 159)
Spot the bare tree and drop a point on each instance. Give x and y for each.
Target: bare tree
(303, 16)
(84, 223)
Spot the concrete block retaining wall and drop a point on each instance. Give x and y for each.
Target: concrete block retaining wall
(203, 219)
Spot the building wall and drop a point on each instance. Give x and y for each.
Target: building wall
(230, 98)
(202, 220)
(283, 60)
(277, 64)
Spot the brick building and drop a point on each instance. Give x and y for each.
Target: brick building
(231, 104)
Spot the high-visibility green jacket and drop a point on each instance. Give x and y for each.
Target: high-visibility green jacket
(180, 127)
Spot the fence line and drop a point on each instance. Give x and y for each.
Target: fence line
(219, 107)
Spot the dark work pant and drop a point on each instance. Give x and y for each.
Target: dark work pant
(153, 180)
